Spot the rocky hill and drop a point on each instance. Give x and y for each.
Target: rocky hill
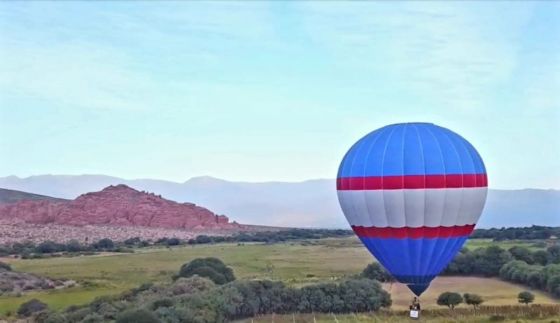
(117, 205)
(13, 283)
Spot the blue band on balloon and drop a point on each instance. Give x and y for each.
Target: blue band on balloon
(423, 257)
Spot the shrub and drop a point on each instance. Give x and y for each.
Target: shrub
(31, 307)
(521, 253)
(162, 302)
(74, 246)
(52, 318)
(92, 318)
(191, 285)
(449, 299)
(525, 297)
(173, 242)
(4, 266)
(203, 239)
(211, 268)
(377, 272)
(104, 244)
(553, 254)
(137, 316)
(47, 247)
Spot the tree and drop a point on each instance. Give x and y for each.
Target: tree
(525, 297)
(488, 261)
(137, 316)
(46, 247)
(202, 239)
(377, 272)
(540, 257)
(30, 307)
(553, 254)
(473, 299)
(522, 253)
(173, 242)
(449, 299)
(212, 268)
(105, 244)
(73, 246)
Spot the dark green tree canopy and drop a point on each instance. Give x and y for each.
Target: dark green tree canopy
(211, 268)
(377, 272)
(473, 299)
(449, 299)
(525, 297)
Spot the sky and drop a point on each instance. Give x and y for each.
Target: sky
(260, 91)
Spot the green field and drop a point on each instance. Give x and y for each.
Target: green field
(296, 264)
(482, 243)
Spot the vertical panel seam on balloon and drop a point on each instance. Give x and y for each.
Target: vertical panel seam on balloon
(411, 262)
(378, 255)
(424, 191)
(380, 251)
(382, 173)
(434, 262)
(458, 241)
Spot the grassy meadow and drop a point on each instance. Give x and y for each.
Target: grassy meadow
(295, 263)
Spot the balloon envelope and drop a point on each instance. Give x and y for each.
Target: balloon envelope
(413, 193)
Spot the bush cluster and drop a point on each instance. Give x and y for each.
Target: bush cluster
(538, 269)
(211, 268)
(377, 272)
(545, 278)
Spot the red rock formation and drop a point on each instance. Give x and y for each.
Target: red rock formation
(116, 205)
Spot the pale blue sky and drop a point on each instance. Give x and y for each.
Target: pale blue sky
(275, 90)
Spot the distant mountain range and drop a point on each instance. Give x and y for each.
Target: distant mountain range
(10, 196)
(311, 203)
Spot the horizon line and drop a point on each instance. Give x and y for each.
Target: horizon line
(233, 181)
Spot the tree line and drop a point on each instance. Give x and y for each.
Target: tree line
(29, 249)
(538, 269)
(534, 232)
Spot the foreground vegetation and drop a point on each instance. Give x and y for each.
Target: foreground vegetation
(296, 264)
(205, 291)
(217, 297)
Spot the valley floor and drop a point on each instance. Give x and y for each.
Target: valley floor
(296, 263)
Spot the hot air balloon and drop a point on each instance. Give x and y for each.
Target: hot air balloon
(412, 193)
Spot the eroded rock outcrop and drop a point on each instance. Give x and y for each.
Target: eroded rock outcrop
(117, 205)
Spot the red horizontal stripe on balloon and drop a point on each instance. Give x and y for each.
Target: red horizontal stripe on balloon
(406, 232)
(411, 182)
